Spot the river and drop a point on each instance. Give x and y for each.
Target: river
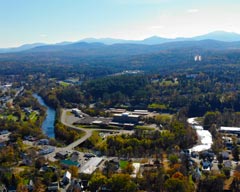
(48, 123)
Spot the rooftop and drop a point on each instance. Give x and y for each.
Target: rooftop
(91, 165)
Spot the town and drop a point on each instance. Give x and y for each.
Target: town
(74, 165)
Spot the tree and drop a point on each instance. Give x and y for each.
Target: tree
(22, 188)
(122, 182)
(97, 180)
(178, 183)
(235, 153)
(210, 118)
(212, 184)
(129, 168)
(173, 158)
(236, 180)
(74, 171)
(39, 186)
(175, 184)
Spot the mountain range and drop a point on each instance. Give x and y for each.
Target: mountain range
(91, 43)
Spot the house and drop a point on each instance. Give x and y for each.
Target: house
(74, 157)
(30, 185)
(208, 155)
(89, 155)
(46, 150)
(206, 166)
(225, 155)
(228, 142)
(62, 154)
(104, 189)
(3, 188)
(196, 174)
(115, 163)
(53, 187)
(43, 142)
(4, 132)
(30, 138)
(12, 189)
(227, 164)
(66, 178)
(2, 144)
(76, 185)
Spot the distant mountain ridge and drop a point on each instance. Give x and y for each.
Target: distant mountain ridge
(223, 36)
(21, 48)
(154, 40)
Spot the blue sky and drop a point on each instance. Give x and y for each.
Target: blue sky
(51, 21)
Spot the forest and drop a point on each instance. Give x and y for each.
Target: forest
(188, 94)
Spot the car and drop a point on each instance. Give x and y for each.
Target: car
(89, 155)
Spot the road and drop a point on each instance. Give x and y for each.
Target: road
(64, 121)
(68, 121)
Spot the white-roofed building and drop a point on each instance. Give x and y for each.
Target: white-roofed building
(67, 177)
(91, 165)
(136, 169)
(234, 130)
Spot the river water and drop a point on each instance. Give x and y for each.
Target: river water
(48, 123)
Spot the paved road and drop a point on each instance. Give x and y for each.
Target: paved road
(68, 121)
(88, 132)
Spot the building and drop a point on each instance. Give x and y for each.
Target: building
(46, 150)
(53, 187)
(43, 142)
(68, 163)
(126, 118)
(91, 165)
(198, 58)
(67, 178)
(232, 130)
(119, 111)
(77, 112)
(3, 188)
(62, 154)
(206, 165)
(140, 112)
(225, 155)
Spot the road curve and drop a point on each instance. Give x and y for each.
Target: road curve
(88, 132)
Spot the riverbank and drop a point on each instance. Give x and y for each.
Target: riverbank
(48, 123)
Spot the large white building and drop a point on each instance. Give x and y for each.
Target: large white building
(91, 165)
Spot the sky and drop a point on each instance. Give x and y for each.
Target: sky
(52, 21)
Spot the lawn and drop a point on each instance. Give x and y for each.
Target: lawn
(123, 164)
(33, 116)
(144, 127)
(12, 117)
(64, 84)
(168, 83)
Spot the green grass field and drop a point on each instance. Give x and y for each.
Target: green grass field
(168, 83)
(144, 127)
(64, 84)
(123, 164)
(33, 116)
(12, 118)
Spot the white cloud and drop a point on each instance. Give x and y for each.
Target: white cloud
(192, 10)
